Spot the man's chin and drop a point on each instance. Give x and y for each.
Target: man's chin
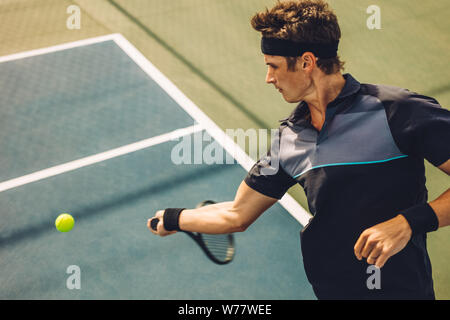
(291, 100)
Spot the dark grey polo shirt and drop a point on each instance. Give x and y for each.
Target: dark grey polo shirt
(364, 167)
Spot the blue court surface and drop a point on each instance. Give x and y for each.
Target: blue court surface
(85, 99)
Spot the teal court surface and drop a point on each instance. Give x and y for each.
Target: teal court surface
(88, 128)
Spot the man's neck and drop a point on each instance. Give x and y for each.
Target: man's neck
(326, 88)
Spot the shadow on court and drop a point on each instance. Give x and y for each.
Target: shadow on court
(123, 200)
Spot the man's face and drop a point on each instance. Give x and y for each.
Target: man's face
(293, 85)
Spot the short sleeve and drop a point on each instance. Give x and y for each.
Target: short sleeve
(267, 177)
(420, 127)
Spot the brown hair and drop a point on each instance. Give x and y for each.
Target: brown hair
(301, 21)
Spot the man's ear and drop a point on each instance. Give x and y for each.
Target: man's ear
(308, 61)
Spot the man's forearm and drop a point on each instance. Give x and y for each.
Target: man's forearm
(441, 206)
(214, 219)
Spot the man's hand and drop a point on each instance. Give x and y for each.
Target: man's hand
(383, 240)
(160, 227)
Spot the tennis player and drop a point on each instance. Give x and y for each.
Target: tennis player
(358, 151)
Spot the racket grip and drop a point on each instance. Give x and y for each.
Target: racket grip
(154, 223)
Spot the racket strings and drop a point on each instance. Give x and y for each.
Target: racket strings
(219, 245)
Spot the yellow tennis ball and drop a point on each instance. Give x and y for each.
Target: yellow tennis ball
(64, 222)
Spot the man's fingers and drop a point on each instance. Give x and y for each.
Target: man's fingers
(382, 260)
(367, 248)
(160, 226)
(158, 215)
(374, 254)
(360, 245)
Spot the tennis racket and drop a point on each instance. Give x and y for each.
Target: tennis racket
(217, 247)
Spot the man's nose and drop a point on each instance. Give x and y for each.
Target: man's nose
(269, 77)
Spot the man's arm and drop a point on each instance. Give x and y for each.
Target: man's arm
(224, 217)
(386, 239)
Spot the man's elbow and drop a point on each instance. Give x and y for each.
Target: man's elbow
(240, 225)
(240, 228)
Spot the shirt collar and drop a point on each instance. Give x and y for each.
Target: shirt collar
(351, 87)
(301, 112)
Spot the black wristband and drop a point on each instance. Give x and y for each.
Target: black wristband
(421, 218)
(171, 219)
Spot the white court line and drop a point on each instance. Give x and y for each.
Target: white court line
(289, 203)
(87, 161)
(56, 48)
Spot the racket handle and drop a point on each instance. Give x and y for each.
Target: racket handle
(154, 223)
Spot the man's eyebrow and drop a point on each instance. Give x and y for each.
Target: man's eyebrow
(271, 64)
